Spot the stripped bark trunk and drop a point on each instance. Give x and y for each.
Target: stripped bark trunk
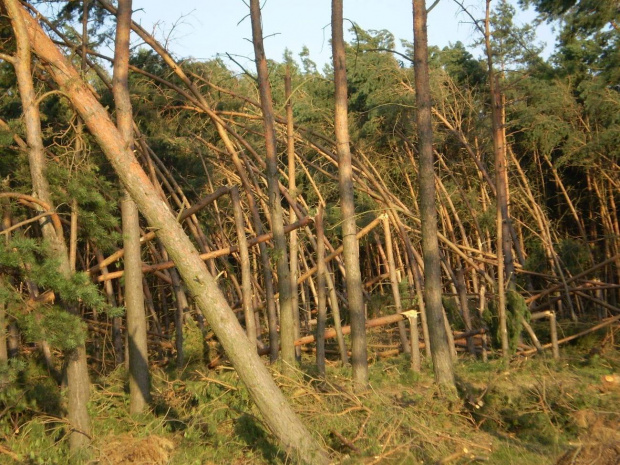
(270, 401)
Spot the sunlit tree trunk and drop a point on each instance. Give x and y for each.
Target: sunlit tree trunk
(287, 324)
(77, 369)
(272, 404)
(292, 188)
(505, 264)
(321, 294)
(349, 230)
(139, 389)
(440, 347)
(246, 272)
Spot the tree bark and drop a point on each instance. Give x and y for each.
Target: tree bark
(246, 272)
(270, 401)
(394, 282)
(139, 385)
(440, 348)
(292, 189)
(77, 369)
(287, 323)
(4, 354)
(345, 180)
(505, 265)
(321, 295)
(182, 305)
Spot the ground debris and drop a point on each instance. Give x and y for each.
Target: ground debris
(128, 450)
(599, 444)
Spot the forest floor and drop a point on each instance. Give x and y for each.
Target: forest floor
(533, 411)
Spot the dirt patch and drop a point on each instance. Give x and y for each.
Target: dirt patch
(128, 450)
(599, 444)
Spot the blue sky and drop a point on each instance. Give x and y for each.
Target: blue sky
(203, 29)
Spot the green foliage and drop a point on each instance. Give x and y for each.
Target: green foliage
(512, 45)
(536, 259)
(9, 296)
(487, 219)
(527, 413)
(453, 311)
(55, 325)
(408, 296)
(19, 251)
(193, 342)
(459, 64)
(29, 259)
(516, 309)
(573, 255)
(30, 403)
(589, 35)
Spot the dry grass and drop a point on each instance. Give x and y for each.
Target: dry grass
(125, 449)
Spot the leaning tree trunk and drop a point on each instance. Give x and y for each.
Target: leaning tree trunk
(278, 414)
(349, 230)
(287, 322)
(440, 348)
(77, 368)
(139, 385)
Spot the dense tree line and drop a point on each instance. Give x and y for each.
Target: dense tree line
(261, 195)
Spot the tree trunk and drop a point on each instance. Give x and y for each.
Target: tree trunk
(320, 277)
(117, 338)
(505, 265)
(440, 348)
(292, 189)
(77, 368)
(394, 283)
(182, 306)
(347, 205)
(287, 323)
(246, 272)
(4, 354)
(270, 401)
(139, 385)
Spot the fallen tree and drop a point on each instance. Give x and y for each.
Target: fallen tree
(274, 407)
